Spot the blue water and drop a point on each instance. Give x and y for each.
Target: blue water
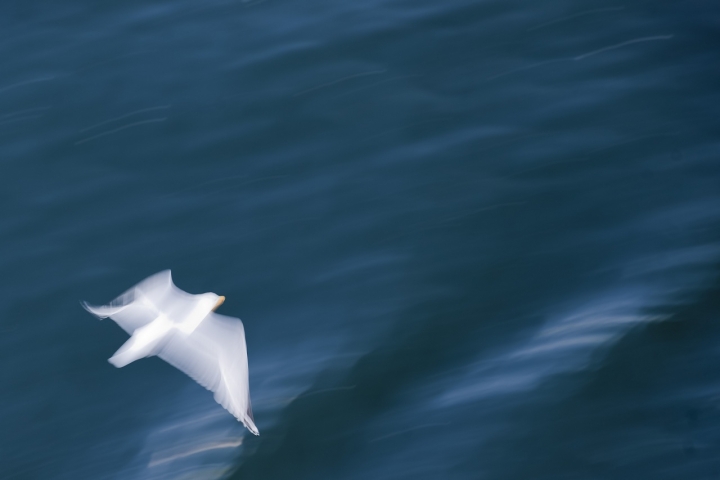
(466, 239)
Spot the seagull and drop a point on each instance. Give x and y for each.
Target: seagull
(183, 330)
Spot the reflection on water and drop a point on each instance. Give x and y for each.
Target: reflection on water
(200, 443)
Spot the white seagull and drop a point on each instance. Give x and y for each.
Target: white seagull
(183, 330)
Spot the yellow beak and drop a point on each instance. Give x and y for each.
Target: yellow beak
(220, 301)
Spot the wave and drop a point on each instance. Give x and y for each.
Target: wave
(427, 380)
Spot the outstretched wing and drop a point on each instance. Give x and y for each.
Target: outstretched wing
(139, 305)
(215, 356)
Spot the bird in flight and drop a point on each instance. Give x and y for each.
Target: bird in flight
(184, 330)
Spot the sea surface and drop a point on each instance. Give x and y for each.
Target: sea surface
(467, 239)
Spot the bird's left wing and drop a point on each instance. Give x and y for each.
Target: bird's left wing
(215, 356)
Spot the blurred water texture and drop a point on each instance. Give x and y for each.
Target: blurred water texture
(466, 239)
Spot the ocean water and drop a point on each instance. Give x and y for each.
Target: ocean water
(467, 239)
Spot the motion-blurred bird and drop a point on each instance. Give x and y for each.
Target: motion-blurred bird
(183, 330)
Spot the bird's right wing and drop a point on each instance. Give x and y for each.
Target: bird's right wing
(139, 305)
(215, 356)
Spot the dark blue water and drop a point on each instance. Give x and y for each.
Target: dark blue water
(467, 239)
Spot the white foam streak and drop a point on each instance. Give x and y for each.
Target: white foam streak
(194, 451)
(562, 345)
